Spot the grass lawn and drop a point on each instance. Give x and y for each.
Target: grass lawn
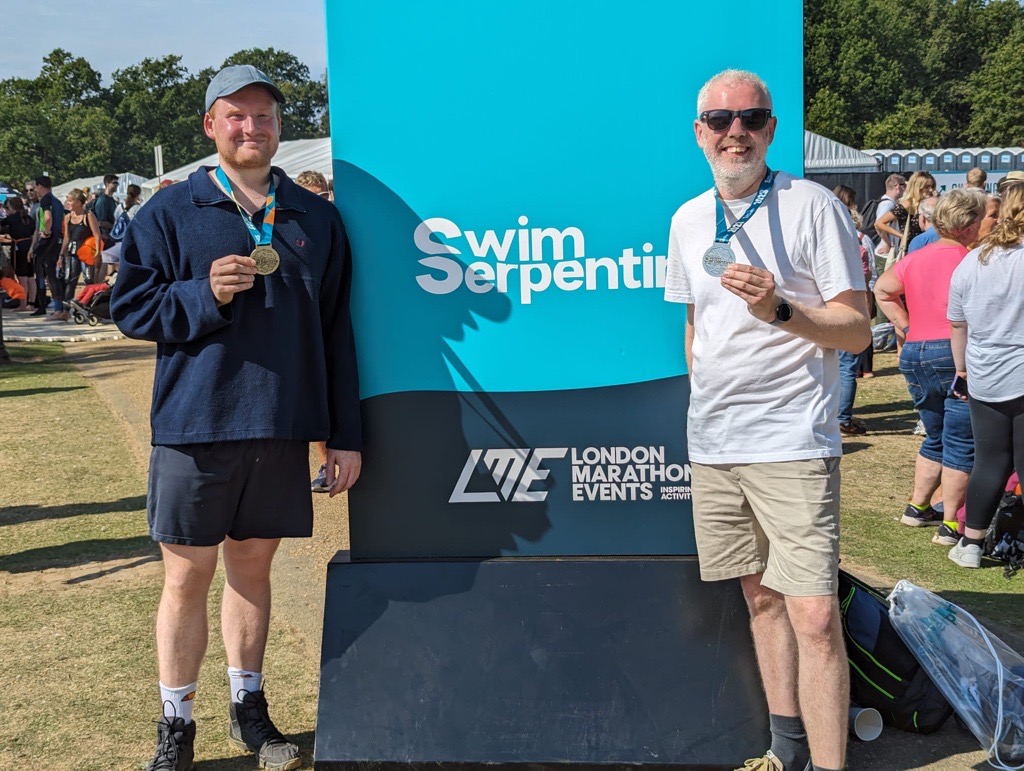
(80, 579)
(79, 584)
(878, 471)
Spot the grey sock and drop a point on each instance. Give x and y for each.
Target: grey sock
(822, 768)
(789, 741)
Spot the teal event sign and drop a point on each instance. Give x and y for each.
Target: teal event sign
(507, 172)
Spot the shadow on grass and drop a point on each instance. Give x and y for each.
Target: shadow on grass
(897, 750)
(113, 353)
(37, 391)
(16, 515)
(79, 553)
(884, 371)
(995, 610)
(110, 571)
(247, 763)
(850, 447)
(881, 419)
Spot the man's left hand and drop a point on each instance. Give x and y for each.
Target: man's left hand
(755, 286)
(343, 467)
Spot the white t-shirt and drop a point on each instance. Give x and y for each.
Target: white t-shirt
(885, 205)
(757, 392)
(988, 298)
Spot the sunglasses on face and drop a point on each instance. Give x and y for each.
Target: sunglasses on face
(753, 119)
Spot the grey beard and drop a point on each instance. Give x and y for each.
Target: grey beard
(733, 177)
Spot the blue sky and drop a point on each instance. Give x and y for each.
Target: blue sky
(112, 36)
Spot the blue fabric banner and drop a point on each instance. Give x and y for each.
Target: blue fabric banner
(507, 172)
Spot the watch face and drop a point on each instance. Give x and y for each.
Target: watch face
(784, 311)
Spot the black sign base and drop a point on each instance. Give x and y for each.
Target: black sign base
(536, 662)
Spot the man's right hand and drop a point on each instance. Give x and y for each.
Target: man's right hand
(231, 275)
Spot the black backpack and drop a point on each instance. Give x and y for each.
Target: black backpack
(868, 216)
(883, 672)
(1005, 538)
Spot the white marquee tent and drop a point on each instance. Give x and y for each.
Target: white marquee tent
(821, 156)
(294, 157)
(826, 156)
(87, 184)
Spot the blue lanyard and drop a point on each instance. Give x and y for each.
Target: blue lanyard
(261, 238)
(723, 234)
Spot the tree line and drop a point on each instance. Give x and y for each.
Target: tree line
(65, 122)
(877, 73)
(915, 73)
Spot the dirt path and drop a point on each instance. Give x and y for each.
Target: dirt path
(122, 374)
(121, 371)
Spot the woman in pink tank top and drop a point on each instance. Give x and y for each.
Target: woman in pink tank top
(913, 294)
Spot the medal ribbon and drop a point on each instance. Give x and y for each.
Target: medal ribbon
(723, 234)
(264, 237)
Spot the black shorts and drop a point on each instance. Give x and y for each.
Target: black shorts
(200, 493)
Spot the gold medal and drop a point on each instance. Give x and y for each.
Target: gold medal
(267, 259)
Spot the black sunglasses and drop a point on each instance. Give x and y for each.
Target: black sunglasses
(753, 119)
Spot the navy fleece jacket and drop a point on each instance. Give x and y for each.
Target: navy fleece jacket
(278, 361)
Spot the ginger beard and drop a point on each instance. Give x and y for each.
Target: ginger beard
(246, 127)
(737, 155)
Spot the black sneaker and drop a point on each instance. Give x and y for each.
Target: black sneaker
(174, 740)
(946, 536)
(251, 729)
(915, 518)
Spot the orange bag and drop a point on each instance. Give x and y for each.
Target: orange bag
(14, 290)
(87, 251)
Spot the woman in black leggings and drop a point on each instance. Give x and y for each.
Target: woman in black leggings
(79, 225)
(987, 318)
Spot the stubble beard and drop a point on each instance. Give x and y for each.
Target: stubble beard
(241, 158)
(734, 176)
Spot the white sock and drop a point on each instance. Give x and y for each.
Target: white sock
(178, 701)
(243, 680)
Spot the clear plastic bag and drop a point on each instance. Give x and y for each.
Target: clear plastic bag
(978, 673)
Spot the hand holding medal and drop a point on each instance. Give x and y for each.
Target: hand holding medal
(230, 275)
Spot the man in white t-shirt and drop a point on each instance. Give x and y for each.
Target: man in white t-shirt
(770, 299)
(895, 187)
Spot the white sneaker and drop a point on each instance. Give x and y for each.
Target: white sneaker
(966, 555)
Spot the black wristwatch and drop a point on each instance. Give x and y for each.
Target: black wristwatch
(783, 313)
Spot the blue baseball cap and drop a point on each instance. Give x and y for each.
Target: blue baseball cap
(235, 78)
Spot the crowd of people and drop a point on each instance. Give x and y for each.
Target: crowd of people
(771, 349)
(50, 245)
(942, 274)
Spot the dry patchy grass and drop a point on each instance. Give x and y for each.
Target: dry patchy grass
(878, 471)
(80, 579)
(79, 584)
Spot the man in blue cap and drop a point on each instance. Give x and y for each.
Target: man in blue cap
(242, 278)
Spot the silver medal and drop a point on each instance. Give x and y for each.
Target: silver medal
(717, 258)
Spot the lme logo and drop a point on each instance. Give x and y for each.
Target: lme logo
(513, 470)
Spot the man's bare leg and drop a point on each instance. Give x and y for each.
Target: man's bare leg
(775, 646)
(245, 611)
(824, 676)
(181, 624)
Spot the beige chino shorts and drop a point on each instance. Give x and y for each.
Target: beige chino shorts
(780, 519)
